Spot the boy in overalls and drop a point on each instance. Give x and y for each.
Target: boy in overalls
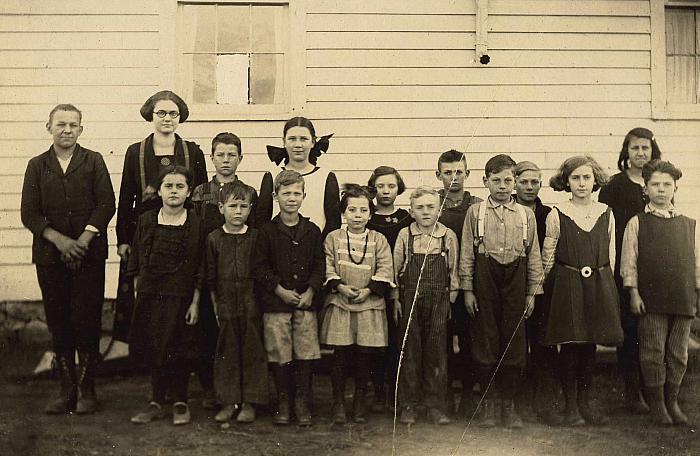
(500, 273)
(425, 259)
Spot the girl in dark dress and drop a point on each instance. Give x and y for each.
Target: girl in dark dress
(166, 259)
(625, 196)
(143, 163)
(388, 220)
(579, 246)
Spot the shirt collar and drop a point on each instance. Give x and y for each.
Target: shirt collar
(509, 205)
(440, 230)
(179, 222)
(215, 181)
(243, 231)
(671, 212)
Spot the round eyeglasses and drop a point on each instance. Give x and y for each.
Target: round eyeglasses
(162, 114)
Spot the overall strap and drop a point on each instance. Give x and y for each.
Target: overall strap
(481, 222)
(142, 167)
(446, 256)
(523, 218)
(186, 151)
(478, 238)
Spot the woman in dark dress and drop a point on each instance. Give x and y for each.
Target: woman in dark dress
(147, 158)
(144, 161)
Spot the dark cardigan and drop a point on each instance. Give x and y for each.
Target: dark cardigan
(130, 191)
(189, 274)
(289, 256)
(67, 202)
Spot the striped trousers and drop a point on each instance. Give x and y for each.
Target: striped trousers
(423, 371)
(663, 348)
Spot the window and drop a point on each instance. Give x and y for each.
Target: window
(676, 59)
(236, 59)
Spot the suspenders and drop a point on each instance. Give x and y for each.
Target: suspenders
(142, 164)
(481, 223)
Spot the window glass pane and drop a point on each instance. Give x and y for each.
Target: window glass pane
(233, 28)
(680, 31)
(232, 79)
(268, 26)
(267, 79)
(697, 31)
(198, 28)
(203, 78)
(681, 79)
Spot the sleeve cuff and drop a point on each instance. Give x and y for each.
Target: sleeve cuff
(378, 288)
(388, 282)
(332, 284)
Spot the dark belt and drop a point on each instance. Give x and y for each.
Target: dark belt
(585, 271)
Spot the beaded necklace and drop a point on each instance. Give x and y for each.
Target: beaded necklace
(350, 250)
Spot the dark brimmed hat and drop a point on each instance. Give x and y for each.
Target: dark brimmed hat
(149, 105)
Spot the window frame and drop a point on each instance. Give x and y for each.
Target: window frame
(295, 65)
(660, 108)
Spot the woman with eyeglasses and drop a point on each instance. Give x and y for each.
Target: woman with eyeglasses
(138, 193)
(146, 159)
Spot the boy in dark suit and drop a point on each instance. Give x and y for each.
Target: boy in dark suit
(67, 202)
(289, 267)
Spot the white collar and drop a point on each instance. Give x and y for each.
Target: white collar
(178, 222)
(574, 212)
(243, 231)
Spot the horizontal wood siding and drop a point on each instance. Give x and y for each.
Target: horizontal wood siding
(396, 81)
(102, 56)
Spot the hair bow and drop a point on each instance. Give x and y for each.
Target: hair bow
(278, 155)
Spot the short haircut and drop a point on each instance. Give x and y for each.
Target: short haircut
(150, 104)
(175, 169)
(560, 181)
(639, 132)
(422, 191)
(65, 107)
(355, 191)
(523, 166)
(236, 190)
(660, 166)
(452, 156)
(386, 171)
(227, 138)
(498, 163)
(288, 177)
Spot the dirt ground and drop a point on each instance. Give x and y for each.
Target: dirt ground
(24, 430)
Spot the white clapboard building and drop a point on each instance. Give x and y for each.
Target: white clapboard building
(397, 81)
